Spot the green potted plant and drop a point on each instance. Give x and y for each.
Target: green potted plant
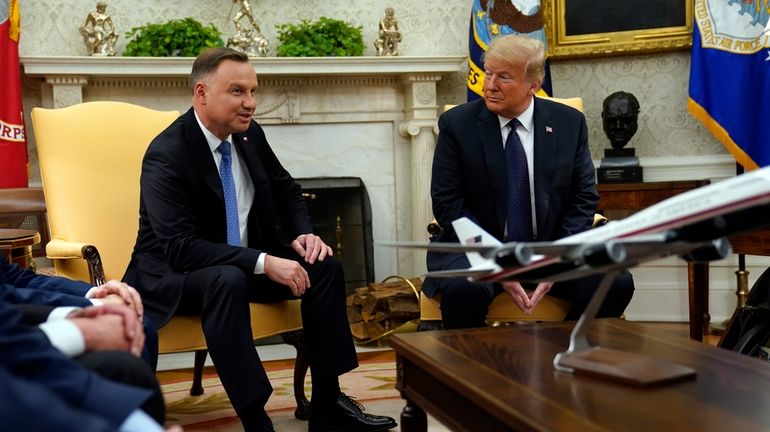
(176, 38)
(325, 37)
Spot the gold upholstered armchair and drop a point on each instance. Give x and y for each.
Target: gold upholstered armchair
(90, 161)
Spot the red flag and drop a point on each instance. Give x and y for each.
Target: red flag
(13, 144)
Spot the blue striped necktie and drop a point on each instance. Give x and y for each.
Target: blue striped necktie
(518, 215)
(228, 187)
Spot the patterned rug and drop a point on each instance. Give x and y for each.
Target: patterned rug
(373, 380)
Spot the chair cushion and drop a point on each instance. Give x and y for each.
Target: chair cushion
(184, 333)
(502, 309)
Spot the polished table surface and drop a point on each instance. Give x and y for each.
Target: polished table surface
(501, 379)
(16, 245)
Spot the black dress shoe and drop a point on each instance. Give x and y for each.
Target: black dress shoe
(347, 415)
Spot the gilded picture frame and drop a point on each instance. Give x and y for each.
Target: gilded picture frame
(592, 28)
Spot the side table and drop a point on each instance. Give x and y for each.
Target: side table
(16, 246)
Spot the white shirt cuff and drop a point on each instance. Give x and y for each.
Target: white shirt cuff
(259, 268)
(139, 421)
(65, 336)
(90, 292)
(61, 312)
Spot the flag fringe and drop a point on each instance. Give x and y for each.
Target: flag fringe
(721, 134)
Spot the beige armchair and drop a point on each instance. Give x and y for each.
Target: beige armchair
(90, 161)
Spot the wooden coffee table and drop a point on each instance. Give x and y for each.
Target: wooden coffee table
(502, 379)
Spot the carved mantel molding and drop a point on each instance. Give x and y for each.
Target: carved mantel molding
(265, 66)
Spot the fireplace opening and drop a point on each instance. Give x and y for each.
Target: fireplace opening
(341, 215)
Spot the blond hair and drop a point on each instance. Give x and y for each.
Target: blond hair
(519, 50)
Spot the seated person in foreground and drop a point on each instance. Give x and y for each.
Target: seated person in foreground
(57, 297)
(520, 168)
(212, 191)
(36, 372)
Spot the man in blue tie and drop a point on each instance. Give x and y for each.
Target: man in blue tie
(520, 168)
(212, 191)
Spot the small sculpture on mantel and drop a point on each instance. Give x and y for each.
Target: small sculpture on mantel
(247, 40)
(389, 35)
(99, 33)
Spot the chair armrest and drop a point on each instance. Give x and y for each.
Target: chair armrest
(58, 249)
(434, 228)
(599, 220)
(63, 249)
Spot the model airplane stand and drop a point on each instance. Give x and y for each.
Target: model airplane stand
(582, 358)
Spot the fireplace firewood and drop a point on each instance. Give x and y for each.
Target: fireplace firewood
(378, 308)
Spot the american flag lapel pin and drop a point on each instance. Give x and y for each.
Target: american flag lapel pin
(245, 139)
(548, 129)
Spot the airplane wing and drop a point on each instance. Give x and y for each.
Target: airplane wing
(484, 250)
(691, 225)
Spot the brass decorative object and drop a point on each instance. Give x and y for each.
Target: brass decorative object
(338, 234)
(99, 33)
(389, 35)
(743, 287)
(247, 39)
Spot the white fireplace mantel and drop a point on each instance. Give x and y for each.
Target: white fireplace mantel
(370, 117)
(266, 66)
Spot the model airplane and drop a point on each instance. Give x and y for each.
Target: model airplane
(692, 225)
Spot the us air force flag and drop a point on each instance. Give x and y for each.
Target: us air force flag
(492, 18)
(730, 76)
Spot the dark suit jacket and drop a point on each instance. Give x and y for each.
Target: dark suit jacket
(29, 362)
(42, 290)
(182, 212)
(469, 174)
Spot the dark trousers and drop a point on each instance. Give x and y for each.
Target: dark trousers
(221, 295)
(122, 367)
(465, 304)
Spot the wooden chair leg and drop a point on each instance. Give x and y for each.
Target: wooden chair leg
(297, 340)
(197, 385)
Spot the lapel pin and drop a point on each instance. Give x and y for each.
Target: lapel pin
(245, 139)
(548, 129)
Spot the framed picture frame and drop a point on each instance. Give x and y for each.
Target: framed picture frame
(591, 28)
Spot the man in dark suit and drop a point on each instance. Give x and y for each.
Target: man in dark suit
(212, 191)
(519, 167)
(72, 397)
(51, 298)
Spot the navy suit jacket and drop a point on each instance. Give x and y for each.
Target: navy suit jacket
(42, 290)
(37, 295)
(468, 176)
(29, 363)
(182, 212)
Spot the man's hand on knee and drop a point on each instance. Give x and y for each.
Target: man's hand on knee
(311, 247)
(287, 272)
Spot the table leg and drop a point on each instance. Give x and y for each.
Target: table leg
(698, 288)
(413, 418)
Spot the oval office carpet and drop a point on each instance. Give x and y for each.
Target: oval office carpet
(372, 384)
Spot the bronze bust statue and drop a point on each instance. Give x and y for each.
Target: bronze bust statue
(620, 113)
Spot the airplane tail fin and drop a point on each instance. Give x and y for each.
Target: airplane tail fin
(471, 234)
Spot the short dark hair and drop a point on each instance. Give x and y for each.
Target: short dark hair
(208, 61)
